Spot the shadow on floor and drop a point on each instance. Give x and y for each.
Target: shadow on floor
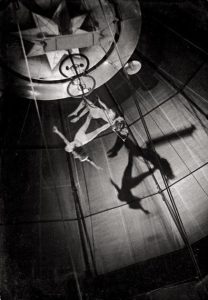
(129, 182)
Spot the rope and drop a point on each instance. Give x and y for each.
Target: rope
(72, 161)
(168, 78)
(111, 32)
(92, 249)
(101, 211)
(180, 90)
(23, 124)
(77, 75)
(172, 209)
(186, 146)
(45, 142)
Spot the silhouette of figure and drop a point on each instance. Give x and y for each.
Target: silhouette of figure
(147, 153)
(129, 182)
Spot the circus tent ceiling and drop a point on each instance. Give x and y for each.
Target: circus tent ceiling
(68, 220)
(95, 41)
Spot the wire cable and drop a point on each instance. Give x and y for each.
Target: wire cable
(101, 211)
(172, 125)
(172, 208)
(45, 142)
(24, 122)
(111, 32)
(81, 218)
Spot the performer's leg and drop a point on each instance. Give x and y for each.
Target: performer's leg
(86, 124)
(83, 103)
(109, 114)
(80, 106)
(84, 112)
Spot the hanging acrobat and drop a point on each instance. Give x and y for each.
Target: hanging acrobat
(117, 123)
(86, 107)
(76, 148)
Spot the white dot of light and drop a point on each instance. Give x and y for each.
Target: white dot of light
(34, 93)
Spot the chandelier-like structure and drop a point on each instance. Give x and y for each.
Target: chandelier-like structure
(67, 51)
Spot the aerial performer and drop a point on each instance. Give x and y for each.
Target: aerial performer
(100, 111)
(86, 107)
(75, 147)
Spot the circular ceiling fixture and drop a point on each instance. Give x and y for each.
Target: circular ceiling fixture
(132, 67)
(56, 49)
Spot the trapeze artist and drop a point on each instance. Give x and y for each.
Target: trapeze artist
(117, 123)
(86, 107)
(75, 147)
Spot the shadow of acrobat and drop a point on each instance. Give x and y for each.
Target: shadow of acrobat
(147, 153)
(128, 183)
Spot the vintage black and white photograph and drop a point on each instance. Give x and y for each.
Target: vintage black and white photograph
(104, 149)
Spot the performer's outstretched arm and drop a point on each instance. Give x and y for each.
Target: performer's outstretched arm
(84, 112)
(75, 114)
(55, 130)
(80, 106)
(88, 159)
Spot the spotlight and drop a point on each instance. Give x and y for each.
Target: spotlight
(132, 67)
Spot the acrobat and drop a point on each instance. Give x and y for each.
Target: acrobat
(117, 123)
(96, 112)
(75, 147)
